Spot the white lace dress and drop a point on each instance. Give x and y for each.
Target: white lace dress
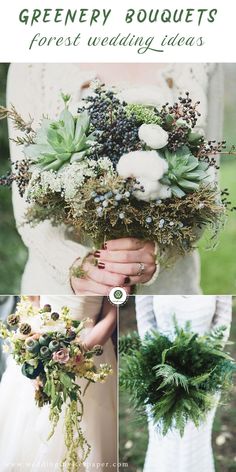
(192, 452)
(35, 89)
(25, 427)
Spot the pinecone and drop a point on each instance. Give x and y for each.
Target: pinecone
(41, 397)
(13, 320)
(25, 328)
(129, 343)
(98, 350)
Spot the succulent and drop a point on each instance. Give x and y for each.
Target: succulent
(185, 172)
(54, 345)
(30, 371)
(32, 345)
(45, 352)
(61, 142)
(44, 339)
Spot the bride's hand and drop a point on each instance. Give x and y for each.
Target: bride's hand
(103, 330)
(130, 256)
(94, 281)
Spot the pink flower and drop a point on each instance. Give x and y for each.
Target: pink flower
(78, 358)
(61, 356)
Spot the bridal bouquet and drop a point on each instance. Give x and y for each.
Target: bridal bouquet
(176, 379)
(48, 346)
(120, 169)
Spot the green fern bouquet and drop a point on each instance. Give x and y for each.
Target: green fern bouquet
(175, 380)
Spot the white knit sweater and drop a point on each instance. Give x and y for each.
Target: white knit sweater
(35, 89)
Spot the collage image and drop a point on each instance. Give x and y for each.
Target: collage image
(118, 267)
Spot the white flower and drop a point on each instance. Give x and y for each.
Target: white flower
(149, 96)
(148, 168)
(153, 135)
(145, 164)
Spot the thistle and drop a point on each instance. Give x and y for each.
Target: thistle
(185, 172)
(61, 142)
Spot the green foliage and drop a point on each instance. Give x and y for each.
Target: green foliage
(176, 379)
(185, 172)
(60, 142)
(143, 114)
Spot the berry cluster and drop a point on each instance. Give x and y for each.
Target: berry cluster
(178, 119)
(22, 175)
(208, 152)
(183, 109)
(117, 133)
(110, 199)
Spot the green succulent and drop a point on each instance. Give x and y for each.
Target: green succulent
(59, 142)
(185, 172)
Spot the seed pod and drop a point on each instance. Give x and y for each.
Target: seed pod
(55, 316)
(13, 320)
(47, 308)
(25, 328)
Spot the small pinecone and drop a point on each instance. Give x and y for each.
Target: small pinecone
(25, 328)
(47, 308)
(55, 316)
(13, 320)
(41, 397)
(70, 335)
(98, 350)
(129, 343)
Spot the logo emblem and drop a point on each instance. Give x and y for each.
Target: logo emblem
(118, 296)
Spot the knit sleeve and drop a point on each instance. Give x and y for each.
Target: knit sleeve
(44, 241)
(223, 313)
(145, 316)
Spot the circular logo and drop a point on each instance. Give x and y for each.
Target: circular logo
(117, 296)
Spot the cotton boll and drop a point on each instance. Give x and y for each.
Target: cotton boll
(147, 164)
(153, 135)
(152, 190)
(164, 192)
(150, 187)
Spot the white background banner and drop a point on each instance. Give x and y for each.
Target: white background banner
(125, 31)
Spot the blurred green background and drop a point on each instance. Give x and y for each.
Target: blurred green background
(133, 433)
(218, 266)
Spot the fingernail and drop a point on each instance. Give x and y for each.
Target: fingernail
(104, 246)
(127, 280)
(101, 265)
(97, 254)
